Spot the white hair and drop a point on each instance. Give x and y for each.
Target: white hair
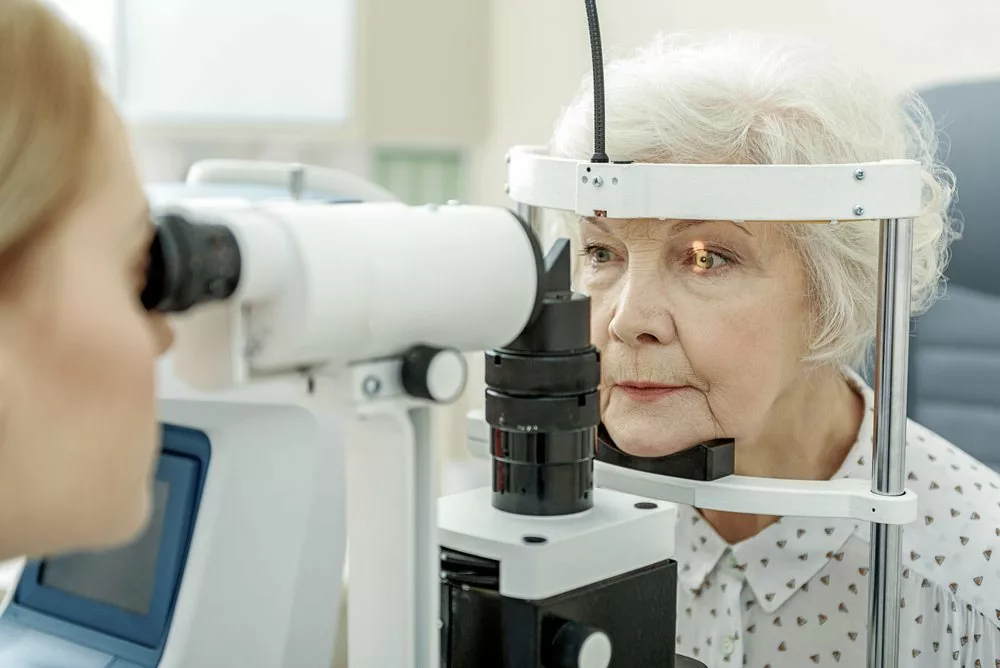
(755, 99)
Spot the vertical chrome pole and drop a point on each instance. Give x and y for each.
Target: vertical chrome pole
(889, 467)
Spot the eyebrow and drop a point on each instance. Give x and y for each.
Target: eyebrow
(683, 225)
(678, 226)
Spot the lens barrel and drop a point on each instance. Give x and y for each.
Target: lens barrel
(543, 404)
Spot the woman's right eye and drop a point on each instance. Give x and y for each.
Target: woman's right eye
(598, 254)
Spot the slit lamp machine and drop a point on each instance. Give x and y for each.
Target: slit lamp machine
(319, 322)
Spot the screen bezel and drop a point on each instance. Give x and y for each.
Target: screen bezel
(182, 475)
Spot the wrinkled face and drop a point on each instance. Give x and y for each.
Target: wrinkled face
(77, 354)
(702, 326)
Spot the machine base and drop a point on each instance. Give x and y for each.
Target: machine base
(636, 612)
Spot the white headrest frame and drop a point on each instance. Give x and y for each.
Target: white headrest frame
(789, 193)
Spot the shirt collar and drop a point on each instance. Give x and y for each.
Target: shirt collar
(784, 557)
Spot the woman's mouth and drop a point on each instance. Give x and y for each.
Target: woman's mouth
(647, 391)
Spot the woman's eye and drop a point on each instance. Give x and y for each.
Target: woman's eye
(598, 254)
(706, 260)
(602, 255)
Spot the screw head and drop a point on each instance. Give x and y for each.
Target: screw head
(506, 189)
(598, 182)
(859, 210)
(583, 179)
(371, 386)
(859, 175)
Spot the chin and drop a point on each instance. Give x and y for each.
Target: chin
(647, 440)
(123, 522)
(656, 429)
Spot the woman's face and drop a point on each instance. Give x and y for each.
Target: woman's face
(78, 430)
(702, 326)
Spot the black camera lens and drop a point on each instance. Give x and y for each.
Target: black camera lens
(189, 264)
(543, 403)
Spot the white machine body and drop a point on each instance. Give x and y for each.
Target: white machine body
(263, 579)
(323, 285)
(541, 557)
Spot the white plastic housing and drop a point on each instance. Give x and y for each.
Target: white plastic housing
(791, 193)
(324, 285)
(612, 538)
(263, 579)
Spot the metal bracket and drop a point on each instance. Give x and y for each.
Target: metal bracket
(846, 497)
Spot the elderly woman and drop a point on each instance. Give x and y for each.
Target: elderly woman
(755, 331)
(78, 429)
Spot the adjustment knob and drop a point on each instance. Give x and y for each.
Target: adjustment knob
(579, 646)
(435, 374)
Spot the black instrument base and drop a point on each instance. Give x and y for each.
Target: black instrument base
(481, 628)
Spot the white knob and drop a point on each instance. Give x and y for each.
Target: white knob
(577, 645)
(595, 652)
(435, 374)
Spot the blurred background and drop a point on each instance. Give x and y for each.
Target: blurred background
(425, 97)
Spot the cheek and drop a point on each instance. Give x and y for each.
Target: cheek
(107, 354)
(601, 311)
(99, 354)
(745, 351)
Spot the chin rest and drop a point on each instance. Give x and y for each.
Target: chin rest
(706, 461)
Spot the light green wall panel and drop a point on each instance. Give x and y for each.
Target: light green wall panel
(420, 176)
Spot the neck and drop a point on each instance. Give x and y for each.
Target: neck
(806, 436)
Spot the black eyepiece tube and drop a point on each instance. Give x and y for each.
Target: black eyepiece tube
(190, 264)
(543, 406)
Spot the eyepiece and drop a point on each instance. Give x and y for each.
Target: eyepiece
(190, 264)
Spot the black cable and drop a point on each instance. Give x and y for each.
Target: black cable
(597, 56)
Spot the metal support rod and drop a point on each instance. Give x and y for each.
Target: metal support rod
(889, 466)
(393, 554)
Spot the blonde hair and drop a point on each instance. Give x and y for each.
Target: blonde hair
(755, 99)
(49, 94)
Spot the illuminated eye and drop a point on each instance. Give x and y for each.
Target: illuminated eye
(707, 260)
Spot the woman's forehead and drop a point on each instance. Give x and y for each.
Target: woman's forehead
(663, 228)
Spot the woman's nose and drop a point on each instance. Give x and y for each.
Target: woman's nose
(164, 334)
(642, 317)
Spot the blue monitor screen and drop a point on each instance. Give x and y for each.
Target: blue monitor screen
(128, 593)
(123, 578)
